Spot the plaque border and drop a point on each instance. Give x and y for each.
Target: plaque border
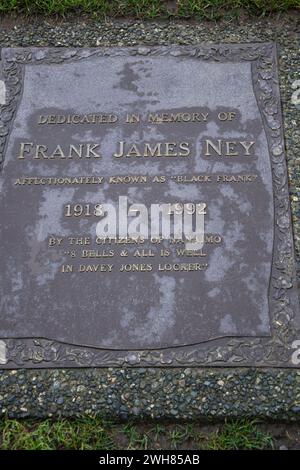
(272, 351)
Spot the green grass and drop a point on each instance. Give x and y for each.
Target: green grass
(78, 434)
(89, 433)
(241, 435)
(148, 8)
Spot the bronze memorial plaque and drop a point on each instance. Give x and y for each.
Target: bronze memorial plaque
(144, 209)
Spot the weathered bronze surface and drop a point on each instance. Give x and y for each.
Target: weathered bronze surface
(174, 125)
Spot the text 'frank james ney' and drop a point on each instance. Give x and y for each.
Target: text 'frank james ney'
(216, 147)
